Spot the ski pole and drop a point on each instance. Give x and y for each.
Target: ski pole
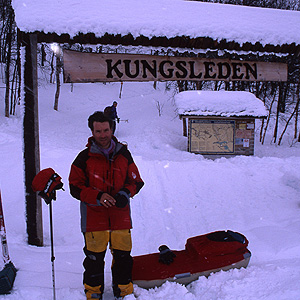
(47, 182)
(52, 249)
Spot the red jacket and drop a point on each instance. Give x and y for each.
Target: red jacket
(93, 174)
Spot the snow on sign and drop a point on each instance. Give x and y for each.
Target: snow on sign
(95, 67)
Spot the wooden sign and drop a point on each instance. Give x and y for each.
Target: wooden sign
(94, 67)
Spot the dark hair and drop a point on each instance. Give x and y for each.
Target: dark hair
(98, 116)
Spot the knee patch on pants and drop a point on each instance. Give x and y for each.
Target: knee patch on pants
(121, 267)
(94, 268)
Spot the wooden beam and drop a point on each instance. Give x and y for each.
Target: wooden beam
(184, 127)
(31, 141)
(162, 41)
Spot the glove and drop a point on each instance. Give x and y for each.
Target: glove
(121, 199)
(166, 256)
(118, 120)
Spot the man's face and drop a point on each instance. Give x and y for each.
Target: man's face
(102, 134)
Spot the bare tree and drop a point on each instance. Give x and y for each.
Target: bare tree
(9, 56)
(57, 76)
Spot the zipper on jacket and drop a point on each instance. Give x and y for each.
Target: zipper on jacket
(108, 172)
(113, 176)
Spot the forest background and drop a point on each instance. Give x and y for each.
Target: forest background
(280, 98)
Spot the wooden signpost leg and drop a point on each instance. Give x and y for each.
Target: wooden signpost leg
(31, 141)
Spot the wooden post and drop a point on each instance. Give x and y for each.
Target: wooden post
(184, 126)
(31, 141)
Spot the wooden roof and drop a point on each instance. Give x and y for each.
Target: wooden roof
(163, 41)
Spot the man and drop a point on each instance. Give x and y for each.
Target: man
(111, 112)
(104, 177)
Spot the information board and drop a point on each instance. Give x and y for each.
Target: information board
(212, 136)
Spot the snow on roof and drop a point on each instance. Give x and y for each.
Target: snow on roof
(168, 18)
(219, 103)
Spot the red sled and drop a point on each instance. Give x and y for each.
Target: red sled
(203, 255)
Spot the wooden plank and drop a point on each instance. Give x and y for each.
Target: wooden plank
(31, 142)
(99, 67)
(174, 42)
(184, 127)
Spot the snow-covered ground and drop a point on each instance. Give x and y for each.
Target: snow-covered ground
(184, 195)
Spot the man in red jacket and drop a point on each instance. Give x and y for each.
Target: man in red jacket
(104, 177)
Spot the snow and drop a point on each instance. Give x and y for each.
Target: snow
(219, 103)
(184, 195)
(168, 18)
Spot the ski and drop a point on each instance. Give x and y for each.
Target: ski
(8, 273)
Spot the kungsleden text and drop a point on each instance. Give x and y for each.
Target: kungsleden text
(180, 70)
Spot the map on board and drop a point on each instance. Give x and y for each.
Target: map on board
(212, 136)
